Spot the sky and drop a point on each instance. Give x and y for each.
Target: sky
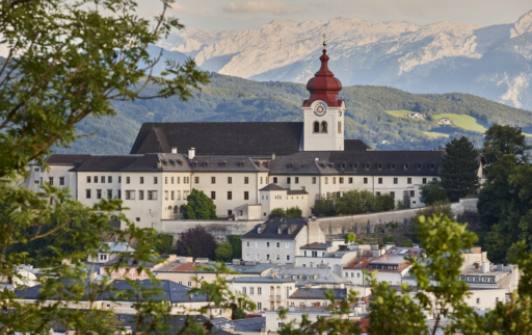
(239, 14)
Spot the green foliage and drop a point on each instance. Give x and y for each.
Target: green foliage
(67, 60)
(236, 246)
(433, 192)
(199, 207)
(350, 238)
(505, 201)
(459, 169)
(197, 243)
(223, 252)
(353, 202)
(292, 212)
(165, 244)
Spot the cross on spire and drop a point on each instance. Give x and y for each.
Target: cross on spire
(324, 41)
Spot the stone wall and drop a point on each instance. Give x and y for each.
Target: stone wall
(219, 228)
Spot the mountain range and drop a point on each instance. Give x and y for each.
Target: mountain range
(493, 62)
(383, 117)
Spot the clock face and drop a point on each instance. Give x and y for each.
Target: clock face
(320, 108)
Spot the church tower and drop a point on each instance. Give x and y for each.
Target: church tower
(323, 111)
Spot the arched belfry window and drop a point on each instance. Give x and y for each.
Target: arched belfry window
(316, 127)
(323, 127)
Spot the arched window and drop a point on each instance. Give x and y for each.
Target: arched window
(316, 127)
(324, 127)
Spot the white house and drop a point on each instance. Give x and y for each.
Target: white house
(268, 293)
(279, 240)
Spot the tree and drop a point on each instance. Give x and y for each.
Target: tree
(236, 246)
(324, 207)
(506, 197)
(293, 212)
(67, 60)
(350, 238)
(165, 245)
(223, 252)
(199, 206)
(459, 169)
(197, 243)
(277, 213)
(64, 61)
(433, 192)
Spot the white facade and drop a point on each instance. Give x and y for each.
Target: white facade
(323, 127)
(268, 293)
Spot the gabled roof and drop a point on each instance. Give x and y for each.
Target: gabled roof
(66, 159)
(273, 187)
(220, 138)
(277, 228)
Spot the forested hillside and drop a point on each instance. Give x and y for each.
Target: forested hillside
(381, 116)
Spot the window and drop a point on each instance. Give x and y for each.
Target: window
(229, 180)
(251, 290)
(109, 194)
(350, 180)
(288, 180)
(259, 291)
(288, 257)
(275, 180)
(296, 180)
(323, 127)
(365, 180)
(141, 194)
(229, 213)
(102, 179)
(95, 179)
(109, 179)
(278, 244)
(259, 306)
(268, 256)
(247, 244)
(196, 180)
(51, 180)
(119, 194)
(268, 244)
(409, 180)
(213, 195)
(119, 179)
(380, 180)
(424, 180)
(166, 195)
(314, 180)
(316, 127)
(155, 180)
(246, 180)
(378, 193)
(412, 193)
(213, 180)
(166, 180)
(339, 127)
(172, 180)
(88, 194)
(229, 195)
(130, 195)
(172, 195)
(88, 179)
(244, 290)
(152, 195)
(61, 180)
(98, 194)
(341, 180)
(128, 180)
(246, 195)
(395, 180)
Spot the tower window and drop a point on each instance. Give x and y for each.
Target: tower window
(339, 127)
(316, 127)
(324, 127)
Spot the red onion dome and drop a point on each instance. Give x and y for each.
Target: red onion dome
(324, 86)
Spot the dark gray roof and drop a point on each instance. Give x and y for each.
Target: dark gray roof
(355, 145)
(379, 163)
(318, 293)
(256, 324)
(121, 290)
(66, 159)
(260, 279)
(220, 138)
(277, 228)
(316, 246)
(135, 163)
(227, 163)
(273, 187)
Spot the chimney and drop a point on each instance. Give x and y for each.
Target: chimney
(174, 150)
(273, 156)
(191, 153)
(316, 159)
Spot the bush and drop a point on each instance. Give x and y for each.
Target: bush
(354, 202)
(223, 252)
(197, 243)
(236, 246)
(324, 207)
(432, 193)
(165, 244)
(293, 212)
(277, 213)
(199, 206)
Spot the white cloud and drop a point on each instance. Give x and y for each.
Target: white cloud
(260, 7)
